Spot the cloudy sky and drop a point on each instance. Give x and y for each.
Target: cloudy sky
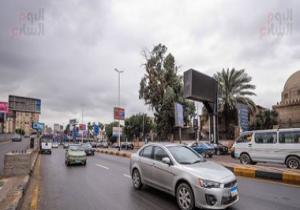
(64, 52)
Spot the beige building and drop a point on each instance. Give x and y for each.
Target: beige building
(24, 120)
(289, 107)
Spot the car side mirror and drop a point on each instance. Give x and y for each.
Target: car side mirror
(166, 160)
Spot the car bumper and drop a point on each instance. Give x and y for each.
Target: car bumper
(76, 161)
(223, 198)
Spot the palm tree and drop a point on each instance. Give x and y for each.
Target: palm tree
(233, 88)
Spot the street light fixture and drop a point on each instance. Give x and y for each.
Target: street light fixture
(119, 104)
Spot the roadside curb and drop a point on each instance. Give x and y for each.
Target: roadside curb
(245, 171)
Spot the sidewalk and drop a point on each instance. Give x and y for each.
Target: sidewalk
(275, 172)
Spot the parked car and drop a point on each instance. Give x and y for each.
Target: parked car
(203, 148)
(220, 149)
(55, 145)
(16, 138)
(127, 145)
(46, 144)
(275, 146)
(89, 150)
(115, 145)
(75, 154)
(182, 172)
(102, 144)
(93, 144)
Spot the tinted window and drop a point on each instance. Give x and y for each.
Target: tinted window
(185, 155)
(159, 153)
(291, 137)
(147, 152)
(266, 138)
(244, 138)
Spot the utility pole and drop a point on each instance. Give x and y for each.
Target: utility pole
(198, 122)
(81, 124)
(119, 104)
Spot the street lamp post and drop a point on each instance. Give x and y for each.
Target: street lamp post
(119, 104)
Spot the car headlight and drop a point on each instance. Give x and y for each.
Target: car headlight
(208, 184)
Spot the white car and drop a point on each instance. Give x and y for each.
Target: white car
(55, 145)
(46, 144)
(274, 146)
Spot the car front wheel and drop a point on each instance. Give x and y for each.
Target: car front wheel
(185, 197)
(293, 162)
(136, 179)
(245, 159)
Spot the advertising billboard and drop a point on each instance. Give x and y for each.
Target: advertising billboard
(38, 126)
(179, 121)
(243, 113)
(199, 87)
(82, 127)
(4, 107)
(119, 113)
(73, 122)
(116, 131)
(24, 104)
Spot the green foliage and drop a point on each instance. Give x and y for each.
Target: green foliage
(161, 87)
(265, 120)
(134, 125)
(67, 129)
(234, 86)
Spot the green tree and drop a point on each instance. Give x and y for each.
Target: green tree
(234, 86)
(134, 125)
(161, 87)
(67, 129)
(265, 120)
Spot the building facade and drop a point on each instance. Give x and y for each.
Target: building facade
(288, 108)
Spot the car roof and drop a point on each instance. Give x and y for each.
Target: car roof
(165, 144)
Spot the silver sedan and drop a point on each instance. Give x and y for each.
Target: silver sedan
(182, 172)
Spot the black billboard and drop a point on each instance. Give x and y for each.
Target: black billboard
(200, 87)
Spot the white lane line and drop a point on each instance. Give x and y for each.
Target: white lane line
(102, 166)
(127, 176)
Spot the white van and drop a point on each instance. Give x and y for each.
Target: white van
(275, 146)
(46, 144)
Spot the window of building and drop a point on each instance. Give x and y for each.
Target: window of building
(266, 138)
(289, 137)
(298, 92)
(286, 96)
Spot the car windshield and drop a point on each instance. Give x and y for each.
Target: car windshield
(75, 147)
(185, 155)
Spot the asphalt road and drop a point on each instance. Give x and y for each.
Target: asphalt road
(105, 184)
(8, 146)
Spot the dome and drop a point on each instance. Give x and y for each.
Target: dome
(293, 81)
(291, 89)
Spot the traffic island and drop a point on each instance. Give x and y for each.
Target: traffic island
(283, 175)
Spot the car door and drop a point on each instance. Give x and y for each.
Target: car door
(244, 143)
(264, 148)
(146, 163)
(163, 175)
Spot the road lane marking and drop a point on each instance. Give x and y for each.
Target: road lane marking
(127, 176)
(102, 166)
(4, 142)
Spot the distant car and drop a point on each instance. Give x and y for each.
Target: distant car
(220, 149)
(89, 150)
(127, 145)
(55, 145)
(203, 149)
(75, 154)
(66, 145)
(93, 144)
(102, 144)
(115, 145)
(16, 138)
(46, 144)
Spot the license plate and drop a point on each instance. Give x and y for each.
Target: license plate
(234, 191)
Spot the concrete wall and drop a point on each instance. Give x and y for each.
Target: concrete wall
(19, 163)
